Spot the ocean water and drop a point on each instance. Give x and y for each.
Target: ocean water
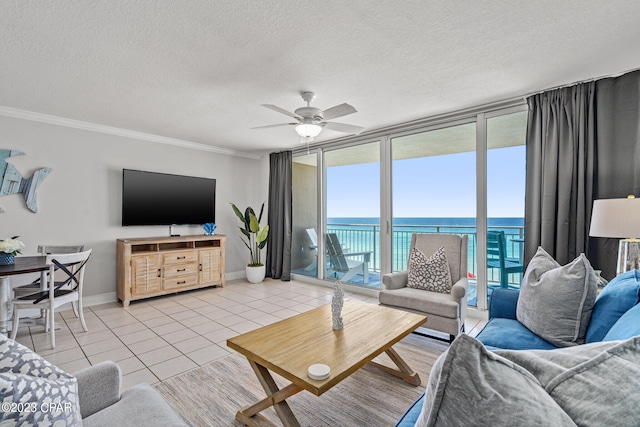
(363, 234)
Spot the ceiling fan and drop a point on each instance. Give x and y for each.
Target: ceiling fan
(311, 120)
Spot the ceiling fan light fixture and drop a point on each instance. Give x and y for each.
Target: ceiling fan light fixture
(308, 130)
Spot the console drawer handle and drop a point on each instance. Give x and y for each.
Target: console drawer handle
(181, 257)
(182, 269)
(182, 282)
(159, 272)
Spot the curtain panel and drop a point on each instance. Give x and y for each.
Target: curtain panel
(278, 265)
(582, 144)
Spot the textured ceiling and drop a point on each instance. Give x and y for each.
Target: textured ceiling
(198, 70)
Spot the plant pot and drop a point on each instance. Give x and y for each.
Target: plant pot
(255, 274)
(7, 259)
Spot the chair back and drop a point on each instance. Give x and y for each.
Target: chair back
(71, 265)
(455, 248)
(334, 250)
(311, 232)
(51, 249)
(496, 247)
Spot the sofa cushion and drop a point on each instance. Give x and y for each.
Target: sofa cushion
(412, 414)
(595, 384)
(139, 406)
(45, 394)
(556, 301)
(622, 293)
(626, 327)
(430, 274)
(511, 334)
(433, 303)
(470, 385)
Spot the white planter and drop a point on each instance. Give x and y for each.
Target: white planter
(255, 274)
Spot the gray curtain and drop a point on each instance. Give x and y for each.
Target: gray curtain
(618, 172)
(583, 143)
(561, 146)
(278, 264)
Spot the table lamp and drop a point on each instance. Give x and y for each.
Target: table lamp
(619, 218)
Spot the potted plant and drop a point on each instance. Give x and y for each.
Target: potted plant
(256, 240)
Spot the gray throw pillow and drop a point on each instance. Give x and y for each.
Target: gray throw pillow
(556, 301)
(429, 274)
(595, 384)
(471, 386)
(33, 391)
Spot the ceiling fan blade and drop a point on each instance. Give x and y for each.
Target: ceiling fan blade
(274, 126)
(338, 111)
(281, 110)
(342, 127)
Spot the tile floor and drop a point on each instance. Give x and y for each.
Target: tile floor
(158, 338)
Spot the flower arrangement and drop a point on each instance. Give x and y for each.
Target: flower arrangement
(11, 246)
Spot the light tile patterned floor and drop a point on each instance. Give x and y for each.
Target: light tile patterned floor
(158, 338)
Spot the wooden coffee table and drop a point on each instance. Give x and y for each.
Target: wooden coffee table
(290, 346)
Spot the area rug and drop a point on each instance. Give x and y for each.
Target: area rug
(212, 394)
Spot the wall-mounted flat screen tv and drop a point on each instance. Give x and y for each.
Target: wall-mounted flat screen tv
(150, 198)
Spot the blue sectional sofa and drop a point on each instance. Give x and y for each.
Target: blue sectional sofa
(616, 316)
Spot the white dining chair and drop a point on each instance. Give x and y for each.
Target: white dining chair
(58, 293)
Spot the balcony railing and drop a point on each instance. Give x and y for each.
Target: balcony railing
(366, 237)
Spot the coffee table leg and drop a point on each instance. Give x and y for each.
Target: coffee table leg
(275, 397)
(404, 371)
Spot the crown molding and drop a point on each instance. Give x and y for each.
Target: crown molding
(93, 127)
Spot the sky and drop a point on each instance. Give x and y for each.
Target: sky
(437, 186)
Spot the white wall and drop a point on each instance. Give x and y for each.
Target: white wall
(80, 201)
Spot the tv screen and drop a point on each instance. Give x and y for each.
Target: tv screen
(150, 198)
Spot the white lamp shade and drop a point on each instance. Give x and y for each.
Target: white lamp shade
(615, 218)
(308, 130)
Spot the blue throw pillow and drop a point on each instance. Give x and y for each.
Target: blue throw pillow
(622, 293)
(626, 327)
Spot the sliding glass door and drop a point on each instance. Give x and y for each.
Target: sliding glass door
(506, 162)
(352, 220)
(304, 241)
(434, 188)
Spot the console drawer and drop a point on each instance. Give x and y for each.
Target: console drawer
(183, 257)
(180, 282)
(178, 270)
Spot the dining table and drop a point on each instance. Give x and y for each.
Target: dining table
(22, 265)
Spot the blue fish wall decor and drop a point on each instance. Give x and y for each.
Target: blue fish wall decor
(12, 182)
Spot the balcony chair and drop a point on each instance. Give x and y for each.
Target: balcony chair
(58, 293)
(445, 312)
(497, 257)
(339, 262)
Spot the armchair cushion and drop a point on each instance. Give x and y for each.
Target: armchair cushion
(429, 274)
(47, 395)
(434, 303)
(565, 294)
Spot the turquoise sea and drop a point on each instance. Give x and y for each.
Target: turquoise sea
(363, 234)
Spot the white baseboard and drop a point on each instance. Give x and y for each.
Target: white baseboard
(90, 300)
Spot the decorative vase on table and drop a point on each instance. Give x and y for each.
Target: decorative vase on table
(7, 259)
(336, 305)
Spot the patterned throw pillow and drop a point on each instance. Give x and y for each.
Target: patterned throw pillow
(33, 391)
(429, 274)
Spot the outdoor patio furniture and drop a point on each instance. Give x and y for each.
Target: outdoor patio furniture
(497, 257)
(341, 262)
